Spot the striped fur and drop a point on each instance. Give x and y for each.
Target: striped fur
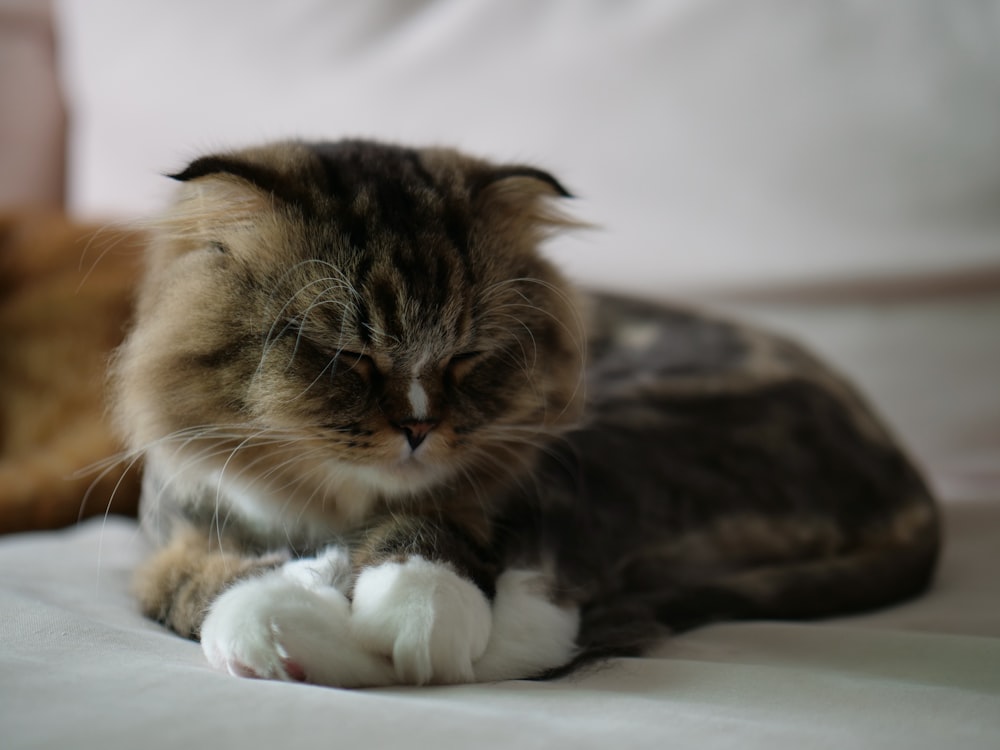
(358, 344)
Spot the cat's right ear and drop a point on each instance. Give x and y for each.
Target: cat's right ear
(228, 167)
(220, 193)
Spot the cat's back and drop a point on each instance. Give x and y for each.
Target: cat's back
(647, 358)
(748, 406)
(638, 344)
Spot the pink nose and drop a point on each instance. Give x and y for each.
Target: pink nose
(416, 430)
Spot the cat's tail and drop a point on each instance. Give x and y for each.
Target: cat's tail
(881, 572)
(886, 567)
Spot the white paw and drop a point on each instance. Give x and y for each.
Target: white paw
(531, 635)
(332, 567)
(274, 627)
(432, 622)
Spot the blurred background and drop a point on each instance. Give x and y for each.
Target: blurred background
(718, 143)
(834, 162)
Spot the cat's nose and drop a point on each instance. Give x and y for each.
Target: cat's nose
(416, 430)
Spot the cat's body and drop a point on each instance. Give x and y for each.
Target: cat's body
(385, 442)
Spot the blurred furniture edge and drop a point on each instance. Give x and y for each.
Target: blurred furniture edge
(33, 117)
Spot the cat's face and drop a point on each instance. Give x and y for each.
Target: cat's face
(370, 308)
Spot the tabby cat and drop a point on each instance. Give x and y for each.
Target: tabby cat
(385, 442)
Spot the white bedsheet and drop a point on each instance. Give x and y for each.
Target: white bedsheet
(80, 668)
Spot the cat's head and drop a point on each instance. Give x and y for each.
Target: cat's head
(384, 310)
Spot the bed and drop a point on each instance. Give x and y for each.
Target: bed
(827, 169)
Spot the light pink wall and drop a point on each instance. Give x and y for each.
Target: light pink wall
(32, 119)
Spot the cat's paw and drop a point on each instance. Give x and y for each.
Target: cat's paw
(332, 567)
(531, 634)
(275, 627)
(433, 623)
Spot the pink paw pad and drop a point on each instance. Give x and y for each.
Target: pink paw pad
(294, 670)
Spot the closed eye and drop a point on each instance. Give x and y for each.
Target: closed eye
(460, 364)
(346, 354)
(292, 327)
(347, 359)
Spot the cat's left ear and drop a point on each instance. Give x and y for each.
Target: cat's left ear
(522, 194)
(527, 179)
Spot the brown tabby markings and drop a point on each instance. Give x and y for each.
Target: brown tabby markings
(358, 344)
(282, 397)
(187, 573)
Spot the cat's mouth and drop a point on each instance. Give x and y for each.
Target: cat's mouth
(418, 464)
(402, 476)
(413, 464)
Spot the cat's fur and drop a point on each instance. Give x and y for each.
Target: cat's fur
(386, 442)
(65, 300)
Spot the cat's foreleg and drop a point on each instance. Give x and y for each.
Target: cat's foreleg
(294, 624)
(267, 617)
(532, 634)
(180, 581)
(415, 600)
(403, 608)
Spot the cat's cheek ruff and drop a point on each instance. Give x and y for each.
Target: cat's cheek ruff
(432, 623)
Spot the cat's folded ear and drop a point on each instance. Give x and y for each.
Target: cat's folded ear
(523, 194)
(220, 192)
(527, 179)
(234, 169)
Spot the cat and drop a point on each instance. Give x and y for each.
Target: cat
(386, 442)
(65, 301)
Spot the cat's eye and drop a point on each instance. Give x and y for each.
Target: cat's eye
(460, 364)
(217, 247)
(292, 327)
(362, 363)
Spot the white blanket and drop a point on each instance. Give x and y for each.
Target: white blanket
(80, 668)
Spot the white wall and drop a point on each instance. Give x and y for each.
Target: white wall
(718, 142)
